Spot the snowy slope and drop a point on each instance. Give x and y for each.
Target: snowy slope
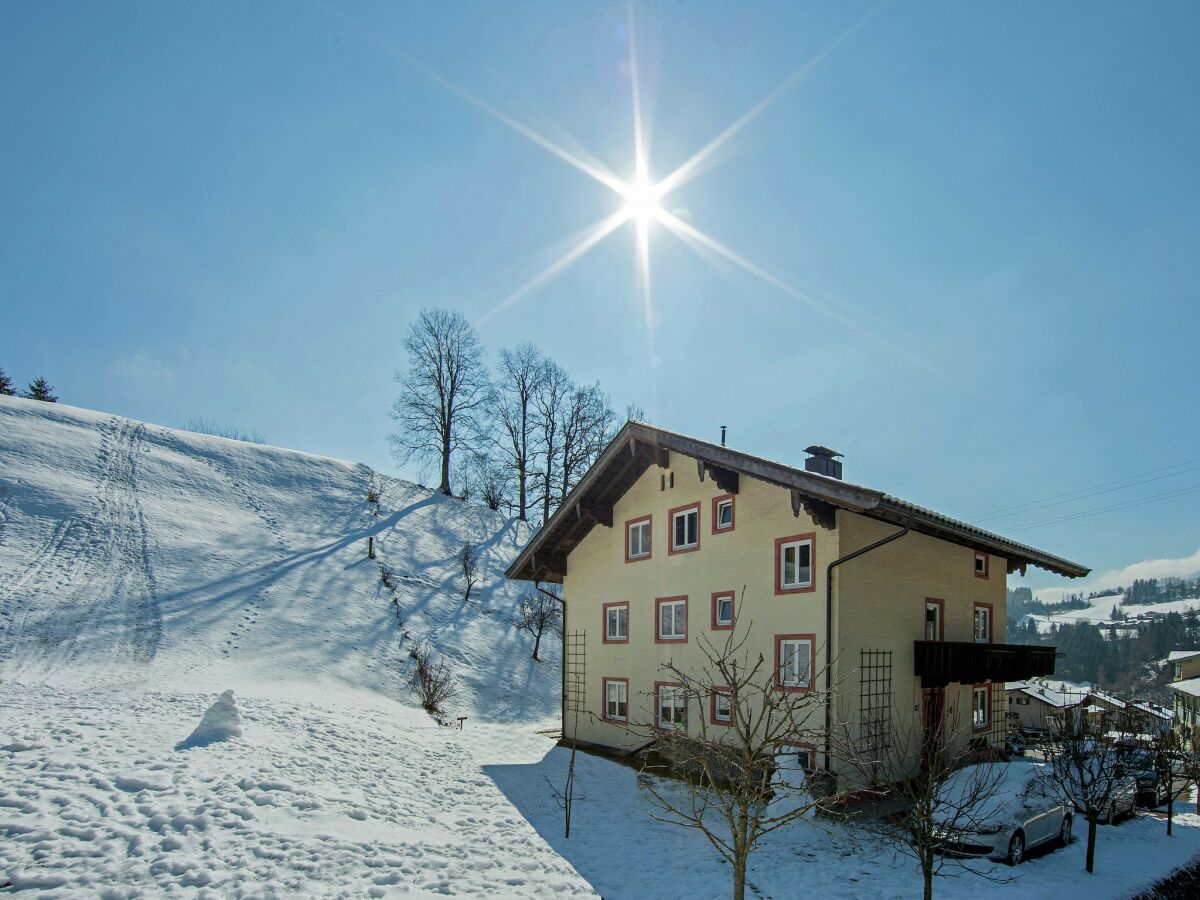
(161, 556)
(1102, 611)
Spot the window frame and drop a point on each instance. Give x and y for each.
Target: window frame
(672, 550)
(986, 690)
(606, 607)
(780, 543)
(990, 622)
(658, 604)
(677, 685)
(716, 624)
(648, 520)
(713, 719)
(779, 640)
(941, 619)
(717, 502)
(604, 683)
(987, 564)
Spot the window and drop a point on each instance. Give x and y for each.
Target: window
(670, 707)
(722, 708)
(795, 757)
(722, 609)
(794, 661)
(685, 528)
(981, 565)
(722, 513)
(616, 699)
(794, 563)
(934, 630)
(637, 539)
(983, 624)
(616, 623)
(980, 697)
(671, 613)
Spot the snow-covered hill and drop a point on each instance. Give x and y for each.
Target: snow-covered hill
(160, 555)
(1102, 608)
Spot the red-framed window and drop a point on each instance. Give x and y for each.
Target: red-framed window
(670, 705)
(982, 623)
(934, 628)
(616, 623)
(720, 707)
(796, 563)
(982, 564)
(981, 706)
(723, 513)
(723, 612)
(638, 534)
(684, 522)
(670, 620)
(795, 661)
(615, 699)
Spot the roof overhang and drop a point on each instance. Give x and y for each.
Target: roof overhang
(638, 446)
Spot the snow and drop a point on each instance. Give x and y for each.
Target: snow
(146, 572)
(1103, 607)
(222, 721)
(999, 787)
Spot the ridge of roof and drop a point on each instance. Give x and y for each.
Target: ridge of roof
(834, 491)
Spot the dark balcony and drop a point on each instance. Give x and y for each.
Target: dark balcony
(939, 663)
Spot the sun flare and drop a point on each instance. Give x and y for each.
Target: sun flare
(642, 201)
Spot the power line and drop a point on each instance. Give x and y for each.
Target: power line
(995, 513)
(1166, 495)
(1028, 508)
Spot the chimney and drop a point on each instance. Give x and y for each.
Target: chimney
(823, 461)
(722, 435)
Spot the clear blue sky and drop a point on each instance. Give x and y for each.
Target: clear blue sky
(233, 210)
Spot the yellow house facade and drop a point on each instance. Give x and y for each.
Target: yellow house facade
(669, 544)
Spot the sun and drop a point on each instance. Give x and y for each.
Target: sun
(642, 200)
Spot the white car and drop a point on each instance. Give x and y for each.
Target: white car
(1017, 811)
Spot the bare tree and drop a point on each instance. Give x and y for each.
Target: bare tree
(1088, 772)
(919, 768)
(488, 483)
(539, 613)
(744, 777)
(549, 402)
(442, 393)
(1166, 759)
(468, 563)
(519, 382)
(587, 426)
(433, 681)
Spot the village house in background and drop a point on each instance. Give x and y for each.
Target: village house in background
(1185, 687)
(668, 538)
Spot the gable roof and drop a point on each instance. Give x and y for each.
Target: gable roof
(638, 446)
(1189, 686)
(1180, 655)
(1057, 699)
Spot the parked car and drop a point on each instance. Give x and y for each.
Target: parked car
(1019, 811)
(1151, 789)
(1122, 799)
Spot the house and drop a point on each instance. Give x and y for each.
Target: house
(1033, 706)
(1187, 702)
(1125, 716)
(668, 538)
(1184, 663)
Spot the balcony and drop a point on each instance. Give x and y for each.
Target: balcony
(939, 663)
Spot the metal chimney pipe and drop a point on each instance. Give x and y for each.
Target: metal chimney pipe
(722, 435)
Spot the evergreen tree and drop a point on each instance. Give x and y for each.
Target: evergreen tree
(6, 385)
(40, 389)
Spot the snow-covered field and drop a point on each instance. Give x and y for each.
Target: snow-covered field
(1102, 611)
(143, 571)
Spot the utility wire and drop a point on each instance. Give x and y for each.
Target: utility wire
(1154, 498)
(995, 513)
(1032, 508)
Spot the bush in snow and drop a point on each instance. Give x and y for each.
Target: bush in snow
(433, 681)
(538, 613)
(208, 426)
(468, 563)
(221, 721)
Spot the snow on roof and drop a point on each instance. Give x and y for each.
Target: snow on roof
(1179, 655)
(1189, 686)
(1055, 698)
(1155, 710)
(1108, 698)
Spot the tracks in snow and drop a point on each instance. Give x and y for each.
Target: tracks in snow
(92, 578)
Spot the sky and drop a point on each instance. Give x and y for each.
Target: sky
(964, 236)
